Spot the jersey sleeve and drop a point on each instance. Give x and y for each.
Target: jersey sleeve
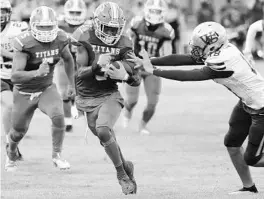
(22, 42)
(80, 37)
(217, 61)
(81, 34)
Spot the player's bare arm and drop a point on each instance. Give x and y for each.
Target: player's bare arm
(68, 64)
(19, 75)
(204, 73)
(82, 59)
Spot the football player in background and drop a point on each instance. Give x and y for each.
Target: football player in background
(152, 33)
(9, 29)
(74, 16)
(227, 66)
(37, 51)
(251, 42)
(101, 62)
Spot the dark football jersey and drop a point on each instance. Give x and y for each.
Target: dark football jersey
(152, 41)
(91, 87)
(37, 52)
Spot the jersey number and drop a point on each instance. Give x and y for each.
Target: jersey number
(151, 48)
(48, 60)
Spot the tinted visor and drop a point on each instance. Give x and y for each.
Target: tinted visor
(111, 31)
(45, 28)
(155, 11)
(75, 13)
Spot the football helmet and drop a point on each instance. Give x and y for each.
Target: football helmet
(6, 11)
(75, 12)
(44, 24)
(109, 22)
(154, 11)
(207, 38)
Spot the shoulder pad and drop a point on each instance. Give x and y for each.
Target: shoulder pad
(25, 39)
(168, 31)
(62, 35)
(81, 33)
(135, 22)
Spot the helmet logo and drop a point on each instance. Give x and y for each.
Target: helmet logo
(210, 38)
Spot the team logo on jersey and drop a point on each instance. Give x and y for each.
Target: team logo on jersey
(47, 53)
(210, 38)
(105, 49)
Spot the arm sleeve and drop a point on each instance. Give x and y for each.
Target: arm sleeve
(204, 73)
(174, 60)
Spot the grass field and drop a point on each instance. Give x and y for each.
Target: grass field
(184, 157)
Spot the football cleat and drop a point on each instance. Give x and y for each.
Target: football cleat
(144, 131)
(68, 128)
(10, 165)
(127, 185)
(60, 163)
(129, 168)
(252, 189)
(19, 156)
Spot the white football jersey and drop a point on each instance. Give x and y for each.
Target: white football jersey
(245, 82)
(11, 30)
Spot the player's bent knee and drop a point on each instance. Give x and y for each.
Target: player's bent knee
(251, 159)
(151, 107)
(58, 121)
(130, 105)
(234, 151)
(16, 134)
(103, 134)
(93, 129)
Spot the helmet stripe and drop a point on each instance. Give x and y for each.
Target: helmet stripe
(112, 9)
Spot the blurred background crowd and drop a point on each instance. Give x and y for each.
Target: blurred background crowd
(183, 15)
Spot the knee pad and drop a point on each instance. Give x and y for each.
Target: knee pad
(17, 134)
(236, 135)
(130, 106)
(151, 107)
(58, 121)
(251, 159)
(103, 134)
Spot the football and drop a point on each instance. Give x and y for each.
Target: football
(118, 64)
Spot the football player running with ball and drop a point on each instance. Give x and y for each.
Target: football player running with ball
(153, 34)
(75, 14)
(37, 51)
(226, 65)
(101, 62)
